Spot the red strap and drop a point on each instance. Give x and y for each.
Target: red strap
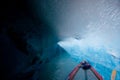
(74, 71)
(96, 73)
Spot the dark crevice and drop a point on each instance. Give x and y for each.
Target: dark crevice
(18, 39)
(25, 76)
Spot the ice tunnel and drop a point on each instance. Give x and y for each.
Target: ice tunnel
(46, 39)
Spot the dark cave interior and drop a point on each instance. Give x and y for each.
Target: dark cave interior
(26, 40)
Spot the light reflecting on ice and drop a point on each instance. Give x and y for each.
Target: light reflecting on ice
(103, 58)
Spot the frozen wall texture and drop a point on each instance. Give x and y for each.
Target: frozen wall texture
(26, 41)
(78, 16)
(96, 21)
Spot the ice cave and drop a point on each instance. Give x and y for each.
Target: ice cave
(47, 39)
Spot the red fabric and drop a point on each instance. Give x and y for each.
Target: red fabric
(96, 73)
(75, 70)
(73, 73)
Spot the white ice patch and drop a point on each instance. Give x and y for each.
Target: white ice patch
(91, 51)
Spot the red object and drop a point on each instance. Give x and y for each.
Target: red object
(73, 73)
(76, 69)
(96, 73)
